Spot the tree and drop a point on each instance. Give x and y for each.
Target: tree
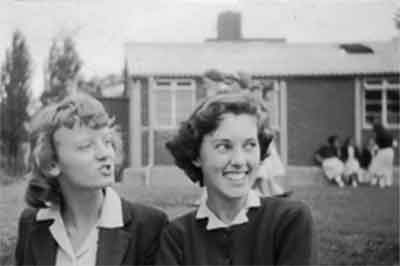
(15, 82)
(62, 70)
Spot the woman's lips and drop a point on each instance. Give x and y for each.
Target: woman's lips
(236, 176)
(106, 169)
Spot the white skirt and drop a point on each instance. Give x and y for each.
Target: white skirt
(351, 166)
(272, 166)
(332, 167)
(382, 163)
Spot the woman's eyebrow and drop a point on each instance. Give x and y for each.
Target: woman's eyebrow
(107, 134)
(80, 140)
(220, 139)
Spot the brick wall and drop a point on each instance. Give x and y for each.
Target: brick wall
(317, 107)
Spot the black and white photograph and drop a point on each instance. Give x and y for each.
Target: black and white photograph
(199, 132)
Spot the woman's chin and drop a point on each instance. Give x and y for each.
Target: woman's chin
(237, 192)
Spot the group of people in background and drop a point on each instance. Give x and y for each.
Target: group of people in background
(349, 165)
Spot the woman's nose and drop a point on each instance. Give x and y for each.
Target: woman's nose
(103, 150)
(238, 157)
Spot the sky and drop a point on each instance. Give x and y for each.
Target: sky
(101, 27)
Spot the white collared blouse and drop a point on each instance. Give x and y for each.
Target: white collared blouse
(110, 217)
(252, 201)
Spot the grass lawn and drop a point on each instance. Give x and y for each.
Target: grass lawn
(355, 226)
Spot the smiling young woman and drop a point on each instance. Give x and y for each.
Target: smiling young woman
(220, 146)
(77, 218)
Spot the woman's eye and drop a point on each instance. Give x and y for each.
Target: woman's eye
(84, 146)
(108, 141)
(250, 145)
(222, 147)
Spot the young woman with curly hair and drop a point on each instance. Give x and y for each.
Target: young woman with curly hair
(220, 146)
(75, 217)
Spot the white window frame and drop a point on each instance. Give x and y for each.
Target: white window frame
(173, 88)
(382, 87)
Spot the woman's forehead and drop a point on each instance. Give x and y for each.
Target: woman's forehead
(78, 133)
(236, 124)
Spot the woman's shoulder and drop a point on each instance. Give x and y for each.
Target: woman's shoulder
(28, 215)
(285, 208)
(28, 218)
(182, 223)
(142, 213)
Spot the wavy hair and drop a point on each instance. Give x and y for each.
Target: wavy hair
(205, 119)
(43, 189)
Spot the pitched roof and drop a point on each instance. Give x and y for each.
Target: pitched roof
(260, 58)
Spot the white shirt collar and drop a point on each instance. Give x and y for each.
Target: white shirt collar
(253, 201)
(110, 217)
(111, 214)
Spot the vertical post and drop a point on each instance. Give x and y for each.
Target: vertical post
(134, 123)
(357, 111)
(151, 85)
(384, 104)
(283, 121)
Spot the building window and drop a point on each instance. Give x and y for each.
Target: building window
(173, 100)
(381, 102)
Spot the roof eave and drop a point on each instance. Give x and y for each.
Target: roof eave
(260, 75)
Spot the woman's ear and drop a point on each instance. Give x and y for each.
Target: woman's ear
(53, 170)
(197, 162)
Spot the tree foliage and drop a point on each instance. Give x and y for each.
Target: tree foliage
(15, 85)
(62, 69)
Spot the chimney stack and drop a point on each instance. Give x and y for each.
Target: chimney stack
(229, 26)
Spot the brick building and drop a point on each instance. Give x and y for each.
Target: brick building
(319, 89)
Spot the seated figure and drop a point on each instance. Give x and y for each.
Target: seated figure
(328, 157)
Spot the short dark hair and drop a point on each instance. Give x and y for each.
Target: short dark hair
(332, 139)
(206, 117)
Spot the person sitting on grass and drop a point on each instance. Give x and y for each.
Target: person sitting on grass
(382, 165)
(75, 217)
(328, 156)
(220, 146)
(350, 157)
(368, 152)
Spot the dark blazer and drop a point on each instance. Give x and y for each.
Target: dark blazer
(136, 243)
(279, 232)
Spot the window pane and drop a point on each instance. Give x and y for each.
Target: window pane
(393, 107)
(373, 95)
(373, 105)
(392, 97)
(163, 83)
(374, 108)
(184, 104)
(373, 81)
(393, 118)
(184, 83)
(371, 117)
(163, 108)
(393, 80)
